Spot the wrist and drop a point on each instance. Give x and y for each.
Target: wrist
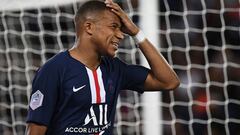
(139, 37)
(135, 32)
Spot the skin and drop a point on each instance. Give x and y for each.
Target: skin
(161, 75)
(101, 37)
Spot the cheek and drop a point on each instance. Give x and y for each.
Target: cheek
(108, 39)
(109, 35)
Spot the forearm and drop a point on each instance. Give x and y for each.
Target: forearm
(160, 68)
(34, 129)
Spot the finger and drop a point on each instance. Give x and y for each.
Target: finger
(116, 12)
(111, 6)
(114, 6)
(108, 1)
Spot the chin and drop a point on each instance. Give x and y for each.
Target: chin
(111, 55)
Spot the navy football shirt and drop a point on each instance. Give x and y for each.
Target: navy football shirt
(71, 99)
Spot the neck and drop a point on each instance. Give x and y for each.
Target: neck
(86, 55)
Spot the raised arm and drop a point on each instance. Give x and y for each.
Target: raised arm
(161, 75)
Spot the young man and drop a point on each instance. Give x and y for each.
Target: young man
(76, 91)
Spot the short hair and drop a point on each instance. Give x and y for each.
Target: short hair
(88, 8)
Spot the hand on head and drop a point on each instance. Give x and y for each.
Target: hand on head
(128, 26)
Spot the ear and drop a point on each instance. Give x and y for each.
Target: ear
(88, 27)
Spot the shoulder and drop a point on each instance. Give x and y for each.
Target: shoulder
(51, 70)
(55, 63)
(113, 62)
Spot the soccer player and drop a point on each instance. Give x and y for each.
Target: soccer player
(76, 91)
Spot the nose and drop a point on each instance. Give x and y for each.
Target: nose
(119, 34)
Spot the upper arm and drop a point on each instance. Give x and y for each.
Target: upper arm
(44, 96)
(134, 77)
(35, 129)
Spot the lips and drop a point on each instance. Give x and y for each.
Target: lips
(116, 44)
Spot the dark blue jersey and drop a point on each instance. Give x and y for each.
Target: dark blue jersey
(71, 99)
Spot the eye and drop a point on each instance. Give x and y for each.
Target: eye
(114, 26)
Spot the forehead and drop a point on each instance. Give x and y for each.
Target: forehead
(109, 17)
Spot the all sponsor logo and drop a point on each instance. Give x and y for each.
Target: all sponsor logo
(36, 100)
(100, 122)
(77, 89)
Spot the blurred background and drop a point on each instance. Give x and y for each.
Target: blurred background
(199, 38)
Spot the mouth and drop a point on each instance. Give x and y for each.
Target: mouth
(115, 44)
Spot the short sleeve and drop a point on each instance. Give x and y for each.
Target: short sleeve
(134, 77)
(44, 95)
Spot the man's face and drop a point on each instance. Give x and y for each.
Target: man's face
(107, 33)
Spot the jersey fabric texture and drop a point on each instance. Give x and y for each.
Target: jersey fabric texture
(71, 99)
